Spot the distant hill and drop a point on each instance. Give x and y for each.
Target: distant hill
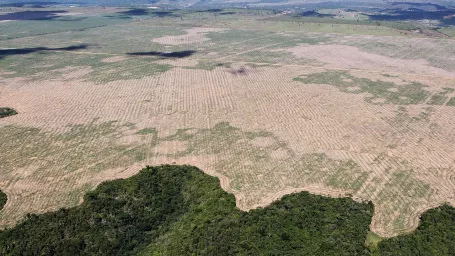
(188, 3)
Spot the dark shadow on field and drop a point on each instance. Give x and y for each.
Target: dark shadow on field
(5, 112)
(32, 15)
(135, 12)
(164, 55)
(211, 10)
(20, 51)
(123, 17)
(145, 12)
(415, 14)
(32, 4)
(164, 14)
(314, 14)
(437, 6)
(71, 18)
(239, 71)
(227, 13)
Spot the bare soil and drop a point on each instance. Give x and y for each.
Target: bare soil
(193, 35)
(262, 133)
(349, 57)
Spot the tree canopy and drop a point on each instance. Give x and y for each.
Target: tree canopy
(179, 210)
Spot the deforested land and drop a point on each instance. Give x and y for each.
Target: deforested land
(337, 102)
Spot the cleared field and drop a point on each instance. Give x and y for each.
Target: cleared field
(268, 112)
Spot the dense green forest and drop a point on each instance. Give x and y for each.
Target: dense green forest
(4, 112)
(3, 199)
(178, 210)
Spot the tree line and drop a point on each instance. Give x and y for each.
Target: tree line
(179, 210)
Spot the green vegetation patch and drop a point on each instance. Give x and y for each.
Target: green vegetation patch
(4, 112)
(252, 160)
(372, 241)
(64, 65)
(401, 195)
(270, 57)
(89, 146)
(404, 122)
(319, 168)
(449, 31)
(243, 156)
(379, 92)
(178, 210)
(259, 45)
(147, 131)
(25, 28)
(440, 98)
(3, 199)
(451, 102)
(415, 188)
(209, 65)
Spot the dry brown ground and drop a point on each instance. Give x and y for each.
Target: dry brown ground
(193, 35)
(349, 57)
(283, 136)
(114, 59)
